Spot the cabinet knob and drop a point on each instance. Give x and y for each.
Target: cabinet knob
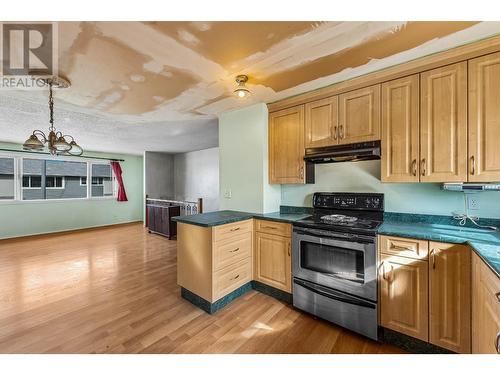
(498, 296)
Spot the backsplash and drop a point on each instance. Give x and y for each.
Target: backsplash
(364, 176)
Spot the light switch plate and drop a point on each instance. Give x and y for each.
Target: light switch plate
(472, 203)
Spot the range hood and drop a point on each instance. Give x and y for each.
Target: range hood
(341, 153)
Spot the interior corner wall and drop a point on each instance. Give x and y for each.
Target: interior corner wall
(159, 175)
(196, 175)
(243, 162)
(28, 218)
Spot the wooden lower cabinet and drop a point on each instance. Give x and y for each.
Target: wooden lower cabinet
(426, 295)
(273, 261)
(403, 295)
(485, 308)
(450, 296)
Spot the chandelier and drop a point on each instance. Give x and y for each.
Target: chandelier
(56, 142)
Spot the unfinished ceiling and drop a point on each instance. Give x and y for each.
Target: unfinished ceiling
(159, 86)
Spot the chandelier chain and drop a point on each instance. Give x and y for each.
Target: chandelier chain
(51, 107)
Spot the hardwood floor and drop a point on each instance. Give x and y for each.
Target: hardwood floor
(113, 290)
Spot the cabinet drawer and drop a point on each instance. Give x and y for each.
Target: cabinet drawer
(232, 230)
(273, 227)
(231, 278)
(404, 247)
(230, 252)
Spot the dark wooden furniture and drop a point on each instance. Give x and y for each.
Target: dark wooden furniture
(160, 219)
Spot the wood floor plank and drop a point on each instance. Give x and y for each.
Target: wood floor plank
(114, 290)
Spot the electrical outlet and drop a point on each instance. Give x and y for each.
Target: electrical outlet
(472, 203)
(227, 193)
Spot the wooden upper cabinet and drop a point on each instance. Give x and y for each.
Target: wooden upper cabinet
(273, 262)
(450, 296)
(443, 124)
(286, 146)
(359, 115)
(404, 295)
(321, 122)
(400, 130)
(485, 308)
(484, 118)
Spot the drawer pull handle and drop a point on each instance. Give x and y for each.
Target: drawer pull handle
(235, 229)
(473, 165)
(497, 343)
(234, 278)
(384, 276)
(422, 166)
(266, 227)
(335, 134)
(401, 248)
(235, 250)
(434, 253)
(498, 296)
(414, 167)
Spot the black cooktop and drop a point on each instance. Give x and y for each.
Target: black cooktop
(346, 212)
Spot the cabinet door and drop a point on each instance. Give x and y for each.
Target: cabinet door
(484, 118)
(286, 146)
(400, 130)
(404, 295)
(321, 122)
(443, 124)
(359, 115)
(273, 265)
(449, 296)
(485, 308)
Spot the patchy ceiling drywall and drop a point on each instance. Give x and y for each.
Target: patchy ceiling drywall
(159, 86)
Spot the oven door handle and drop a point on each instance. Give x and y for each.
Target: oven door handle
(336, 296)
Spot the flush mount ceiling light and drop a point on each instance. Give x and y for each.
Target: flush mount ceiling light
(242, 91)
(56, 142)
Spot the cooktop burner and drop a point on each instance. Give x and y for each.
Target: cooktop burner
(340, 219)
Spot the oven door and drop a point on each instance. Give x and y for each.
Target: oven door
(339, 261)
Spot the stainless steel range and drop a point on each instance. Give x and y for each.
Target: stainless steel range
(334, 260)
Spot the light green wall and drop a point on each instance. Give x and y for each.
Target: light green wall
(412, 198)
(243, 161)
(21, 219)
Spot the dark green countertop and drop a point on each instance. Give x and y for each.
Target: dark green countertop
(212, 219)
(485, 243)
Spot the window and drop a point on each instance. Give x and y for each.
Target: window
(53, 179)
(97, 181)
(32, 182)
(54, 182)
(7, 190)
(103, 181)
(36, 178)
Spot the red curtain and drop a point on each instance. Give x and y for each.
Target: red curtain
(117, 169)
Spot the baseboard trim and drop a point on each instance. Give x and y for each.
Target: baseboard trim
(212, 308)
(66, 231)
(410, 344)
(272, 291)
